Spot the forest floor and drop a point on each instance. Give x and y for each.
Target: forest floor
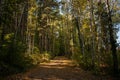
(60, 68)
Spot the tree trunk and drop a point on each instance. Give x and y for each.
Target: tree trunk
(79, 36)
(112, 41)
(92, 25)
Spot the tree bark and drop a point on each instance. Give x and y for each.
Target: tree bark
(79, 36)
(112, 40)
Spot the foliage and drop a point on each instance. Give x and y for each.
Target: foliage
(35, 31)
(38, 58)
(14, 59)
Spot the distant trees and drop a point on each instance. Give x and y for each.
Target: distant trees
(47, 14)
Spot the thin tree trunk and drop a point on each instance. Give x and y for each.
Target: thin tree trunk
(92, 24)
(19, 24)
(79, 36)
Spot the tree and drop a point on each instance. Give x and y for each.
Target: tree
(112, 40)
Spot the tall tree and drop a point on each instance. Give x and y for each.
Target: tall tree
(112, 39)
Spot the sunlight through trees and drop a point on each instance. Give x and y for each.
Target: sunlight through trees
(34, 31)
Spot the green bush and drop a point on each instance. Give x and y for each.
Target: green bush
(16, 56)
(13, 58)
(36, 58)
(39, 58)
(46, 56)
(36, 50)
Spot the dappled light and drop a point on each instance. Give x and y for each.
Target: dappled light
(59, 70)
(59, 40)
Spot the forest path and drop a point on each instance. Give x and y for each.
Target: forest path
(60, 68)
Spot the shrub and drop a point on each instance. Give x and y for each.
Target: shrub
(39, 58)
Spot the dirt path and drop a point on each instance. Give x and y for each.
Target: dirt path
(59, 69)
